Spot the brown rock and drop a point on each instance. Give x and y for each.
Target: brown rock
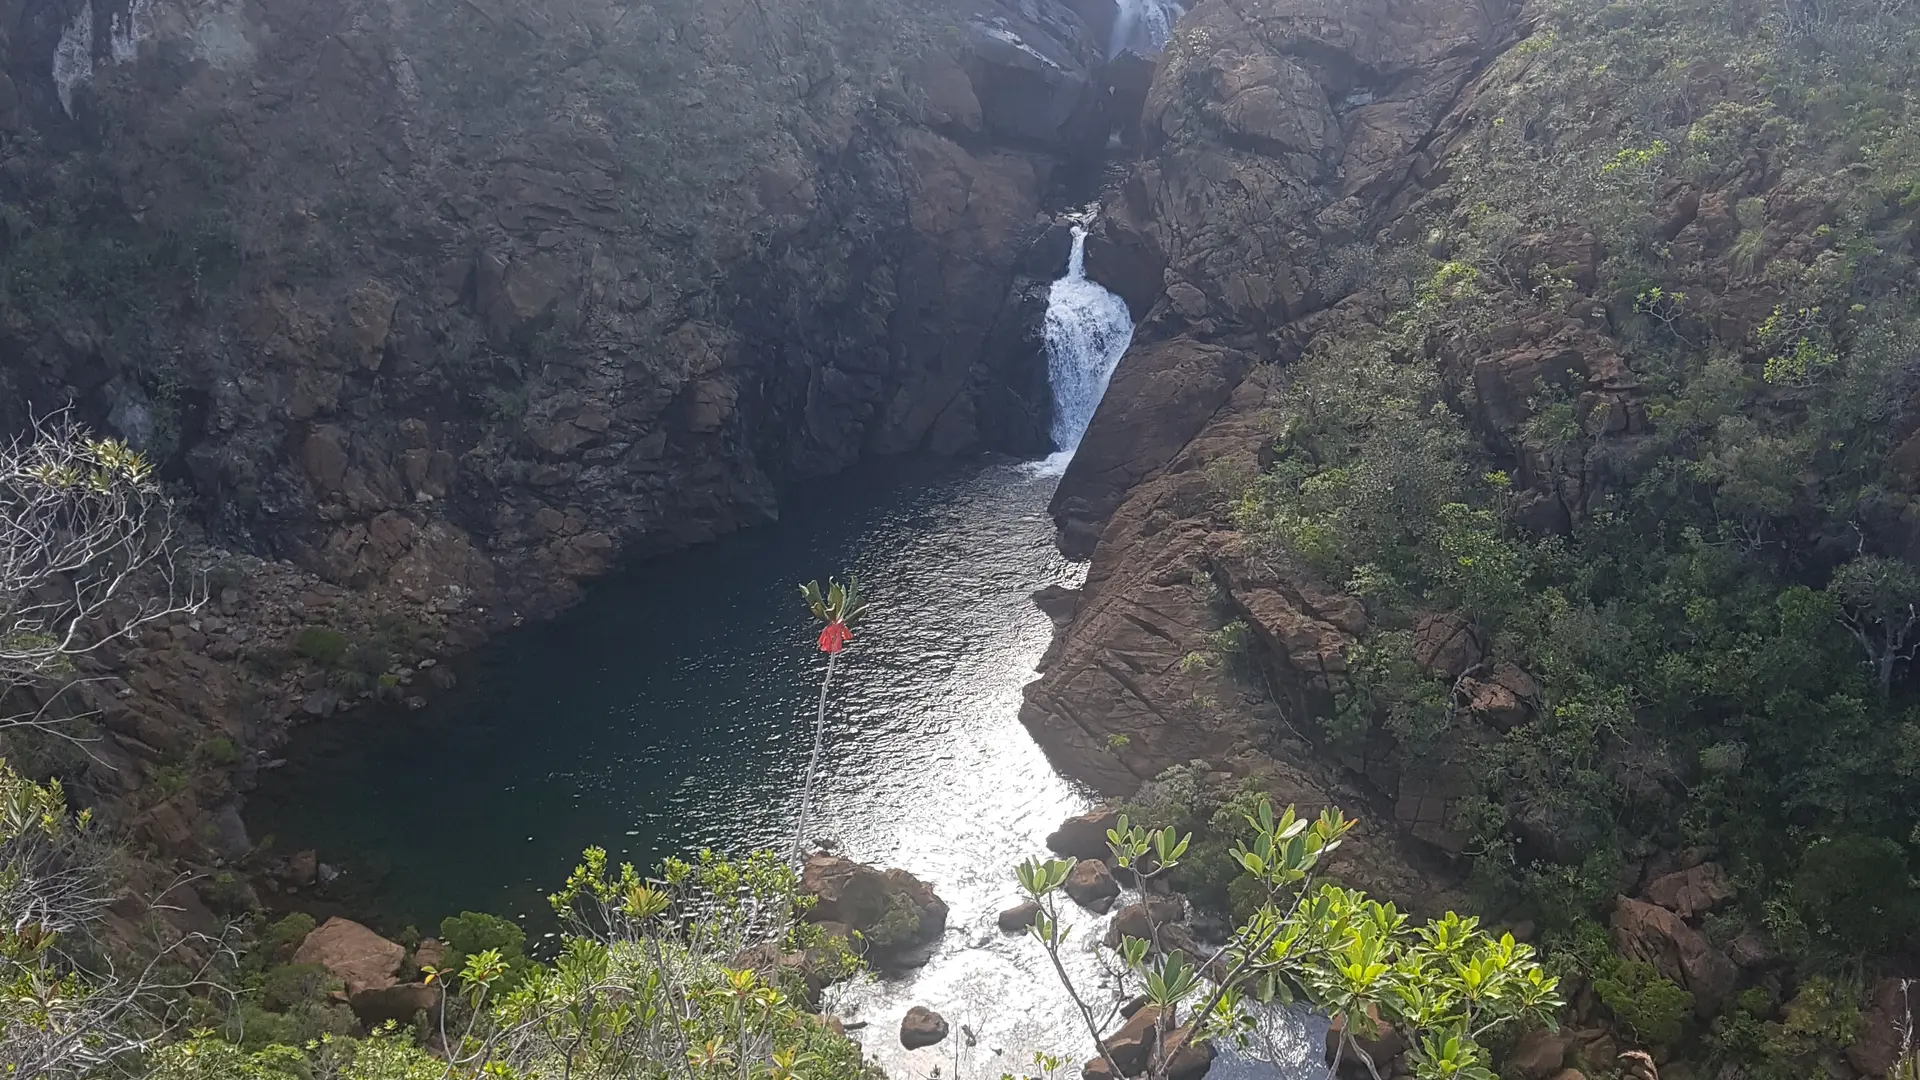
(1540, 1053)
(1132, 921)
(361, 958)
(303, 868)
(1692, 892)
(430, 953)
(1019, 916)
(1883, 1026)
(1092, 886)
(922, 1027)
(1185, 1058)
(1446, 645)
(1084, 836)
(897, 914)
(1129, 1046)
(1638, 1065)
(1751, 948)
(1657, 936)
(1383, 1047)
(400, 1003)
(1135, 1040)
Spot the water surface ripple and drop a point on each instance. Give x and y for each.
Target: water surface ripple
(672, 710)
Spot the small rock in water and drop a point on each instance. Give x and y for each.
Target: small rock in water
(922, 1027)
(1019, 917)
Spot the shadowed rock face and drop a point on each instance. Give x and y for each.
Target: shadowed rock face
(438, 308)
(465, 299)
(1274, 131)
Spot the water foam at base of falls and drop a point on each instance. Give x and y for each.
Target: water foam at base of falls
(1143, 26)
(1087, 331)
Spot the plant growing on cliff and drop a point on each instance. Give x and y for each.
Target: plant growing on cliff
(837, 607)
(66, 1010)
(1445, 986)
(86, 560)
(697, 972)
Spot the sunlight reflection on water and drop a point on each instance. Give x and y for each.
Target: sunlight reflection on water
(673, 710)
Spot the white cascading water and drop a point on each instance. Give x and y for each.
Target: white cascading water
(1087, 328)
(1143, 26)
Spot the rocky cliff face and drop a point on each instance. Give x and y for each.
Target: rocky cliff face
(1276, 132)
(465, 300)
(433, 310)
(1293, 151)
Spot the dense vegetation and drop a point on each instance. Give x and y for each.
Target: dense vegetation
(1637, 420)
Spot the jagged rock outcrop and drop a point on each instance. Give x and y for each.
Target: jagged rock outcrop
(1657, 936)
(1275, 132)
(360, 958)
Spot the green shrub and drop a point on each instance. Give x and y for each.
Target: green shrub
(473, 932)
(220, 750)
(286, 986)
(321, 645)
(282, 939)
(1643, 1002)
(1859, 891)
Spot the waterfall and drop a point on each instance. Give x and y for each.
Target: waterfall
(1087, 329)
(1143, 26)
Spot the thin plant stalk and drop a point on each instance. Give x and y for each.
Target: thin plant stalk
(813, 764)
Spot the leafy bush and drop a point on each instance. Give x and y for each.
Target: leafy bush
(1643, 1002)
(1859, 891)
(284, 936)
(322, 645)
(473, 932)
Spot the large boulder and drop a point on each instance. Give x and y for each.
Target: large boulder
(1019, 916)
(1084, 836)
(1133, 920)
(399, 1003)
(1540, 1054)
(1691, 892)
(359, 957)
(897, 915)
(1381, 1047)
(1091, 885)
(1659, 937)
(922, 1027)
(1136, 1039)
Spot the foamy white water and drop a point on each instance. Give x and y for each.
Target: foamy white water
(1087, 331)
(1143, 26)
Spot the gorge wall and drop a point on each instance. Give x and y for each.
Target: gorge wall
(466, 300)
(1275, 134)
(1613, 186)
(431, 311)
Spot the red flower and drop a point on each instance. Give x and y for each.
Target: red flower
(835, 637)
